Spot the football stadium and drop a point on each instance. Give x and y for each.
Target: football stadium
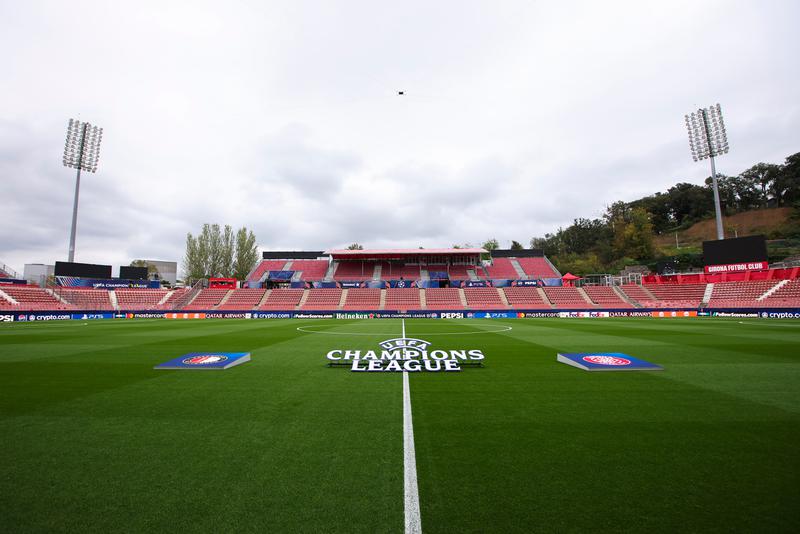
(390, 388)
(330, 340)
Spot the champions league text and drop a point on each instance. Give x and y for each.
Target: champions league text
(405, 354)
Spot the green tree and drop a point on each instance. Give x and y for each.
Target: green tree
(786, 185)
(761, 176)
(246, 253)
(355, 246)
(215, 252)
(227, 250)
(151, 269)
(193, 260)
(516, 245)
(634, 238)
(491, 244)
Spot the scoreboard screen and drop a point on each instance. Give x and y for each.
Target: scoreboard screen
(132, 273)
(82, 270)
(738, 250)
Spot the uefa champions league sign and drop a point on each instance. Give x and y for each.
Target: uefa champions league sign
(405, 354)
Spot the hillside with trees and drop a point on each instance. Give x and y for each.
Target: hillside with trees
(671, 225)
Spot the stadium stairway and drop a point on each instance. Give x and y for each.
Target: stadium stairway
(707, 295)
(225, 298)
(422, 302)
(462, 297)
(503, 297)
(543, 296)
(166, 297)
(517, 267)
(331, 269)
(343, 299)
(383, 298)
(112, 296)
(303, 299)
(7, 297)
(582, 292)
(625, 297)
(264, 298)
(58, 297)
(772, 290)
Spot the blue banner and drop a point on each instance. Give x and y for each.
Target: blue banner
(324, 285)
(91, 316)
(12, 281)
(476, 283)
(280, 275)
(526, 283)
(552, 282)
(438, 275)
(113, 283)
(401, 284)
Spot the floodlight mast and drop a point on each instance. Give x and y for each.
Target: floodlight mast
(707, 139)
(81, 152)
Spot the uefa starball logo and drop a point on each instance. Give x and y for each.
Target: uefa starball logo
(606, 360)
(205, 359)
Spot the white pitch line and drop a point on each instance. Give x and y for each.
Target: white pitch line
(411, 491)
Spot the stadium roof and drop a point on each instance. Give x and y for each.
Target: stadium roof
(400, 252)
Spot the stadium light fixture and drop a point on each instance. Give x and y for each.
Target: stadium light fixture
(81, 152)
(707, 140)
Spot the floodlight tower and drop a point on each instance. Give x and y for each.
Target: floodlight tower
(707, 139)
(81, 151)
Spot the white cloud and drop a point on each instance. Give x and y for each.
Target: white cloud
(284, 117)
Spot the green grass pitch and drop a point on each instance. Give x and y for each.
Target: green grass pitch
(95, 440)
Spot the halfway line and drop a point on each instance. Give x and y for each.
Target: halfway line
(412, 515)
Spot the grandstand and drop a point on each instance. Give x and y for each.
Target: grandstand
(787, 295)
(310, 269)
(402, 299)
(526, 298)
(362, 299)
(739, 294)
(676, 295)
(484, 298)
(502, 268)
(264, 267)
(30, 298)
(606, 297)
(282, 299)
(424, 279)
(207, 299)
(537, 267)
(568, 298)
(87, 299)
(140, 299)
(322, 299)
(354, 270)
(243, 299)
(443, 299)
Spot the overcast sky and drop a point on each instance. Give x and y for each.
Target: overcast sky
(285, 117)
